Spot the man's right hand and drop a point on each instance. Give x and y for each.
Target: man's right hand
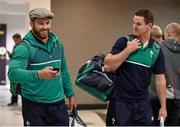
(47, 73)
(133, 45)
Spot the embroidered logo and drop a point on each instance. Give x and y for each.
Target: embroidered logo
(113, 120)
(151, 53)
(27, 123)
(55, 45)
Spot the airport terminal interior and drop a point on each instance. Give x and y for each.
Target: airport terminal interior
(86, 27)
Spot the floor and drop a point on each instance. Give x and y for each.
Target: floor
(12, 115)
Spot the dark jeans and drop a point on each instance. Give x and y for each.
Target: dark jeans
(38, 114)
(122, 113)
(173, 110)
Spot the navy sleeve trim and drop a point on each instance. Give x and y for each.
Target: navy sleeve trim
(119, 45)
(159, 66)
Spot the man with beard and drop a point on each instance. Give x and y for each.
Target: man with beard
(133, 59)
(39, 65)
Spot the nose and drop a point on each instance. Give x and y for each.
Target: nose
(134, 25)
(45, 26)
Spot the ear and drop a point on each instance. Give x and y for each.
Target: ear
(150, 25)
(31, 23)
(168, 34)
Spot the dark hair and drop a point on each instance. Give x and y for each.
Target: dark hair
(16, 35)
(148, 16)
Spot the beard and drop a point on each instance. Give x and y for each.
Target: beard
(41, 33)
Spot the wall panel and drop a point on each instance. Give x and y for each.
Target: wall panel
(87, 27)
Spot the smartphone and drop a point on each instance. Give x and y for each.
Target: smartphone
(56, 69)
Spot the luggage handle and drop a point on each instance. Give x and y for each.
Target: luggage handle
(77, 117)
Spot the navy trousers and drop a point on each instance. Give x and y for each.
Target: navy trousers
(38, 114)
(122, 113)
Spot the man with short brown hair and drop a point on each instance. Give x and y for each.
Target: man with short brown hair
(133, 61)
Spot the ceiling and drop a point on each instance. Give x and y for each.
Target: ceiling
(15, 1)
(13, 7)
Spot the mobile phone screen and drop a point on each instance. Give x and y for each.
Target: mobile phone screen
(56, 69)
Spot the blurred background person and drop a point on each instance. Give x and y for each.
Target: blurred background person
(171, 50)
(17, 40)
(157, 34)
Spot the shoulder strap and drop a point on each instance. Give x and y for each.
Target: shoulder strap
(156, 50)
(32, 49)
(59, 44)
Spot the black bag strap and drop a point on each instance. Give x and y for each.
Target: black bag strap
(76, 117)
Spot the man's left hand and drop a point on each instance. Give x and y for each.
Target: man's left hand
(163, 113)
(72, 102)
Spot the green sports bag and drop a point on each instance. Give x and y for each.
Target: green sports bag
(93, 79)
